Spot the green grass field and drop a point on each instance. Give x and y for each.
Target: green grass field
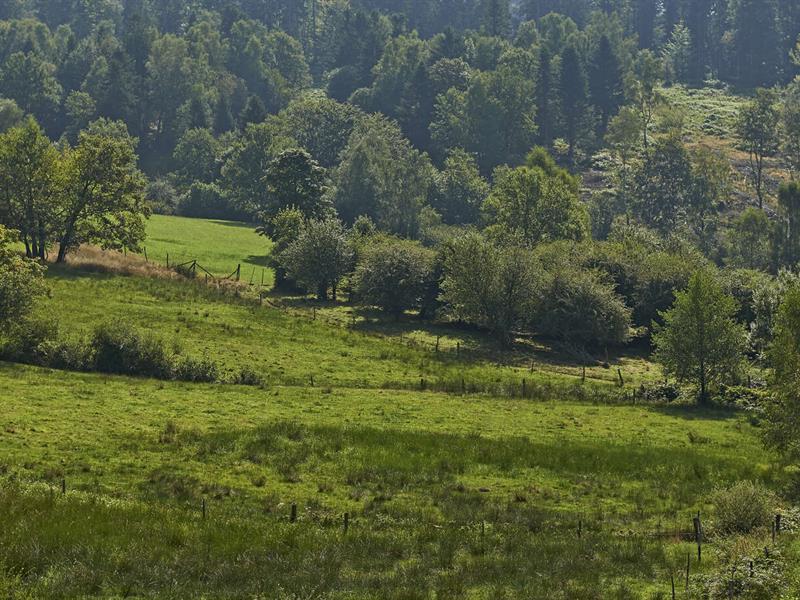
(219, 246)
(572, 492)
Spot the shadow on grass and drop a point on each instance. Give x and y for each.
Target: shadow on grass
(407, 461)
(236, 224)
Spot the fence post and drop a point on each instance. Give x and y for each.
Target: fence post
(204, 509)
(346, 522)
(63, 486)
(238, 272)
(438, 337)
(698, 536)
(583, 374)
(688, 562)
(524, 388)
(621, 380)
(672, 580)
(145, 255)
(293, 515)
(168, 260)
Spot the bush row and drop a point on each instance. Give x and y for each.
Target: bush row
(113, 348)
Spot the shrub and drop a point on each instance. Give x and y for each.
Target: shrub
(739, 396)
(743, 507)
(580, 307)
(202, 370)
(121, 350)
(660, 392)
(393, 274)
(247, 376)
(206, 201)
(27, 341)
(69, 354)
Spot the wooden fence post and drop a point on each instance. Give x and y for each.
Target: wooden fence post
(698, 536)
(204, 509)
(63, 486)
(621, 380)
(293, 515)
(688, 562)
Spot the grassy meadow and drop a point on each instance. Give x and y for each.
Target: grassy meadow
(458, 479)
(219, 246)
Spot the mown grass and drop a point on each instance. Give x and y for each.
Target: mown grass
(219, 246)
(418, 473)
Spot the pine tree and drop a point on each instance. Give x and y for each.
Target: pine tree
(254, 112)
(757, 42)
(574, 91)
(605, 81)
(497, 18)
(223, 119)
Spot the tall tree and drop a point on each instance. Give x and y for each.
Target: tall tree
(31, 186)
(757, 130)
(605, 81)
(105, 201)
(757, 42)
(642, 89)
(497, 18)
(573, 86)
(536, 203)
(700, 340)
(789, 203)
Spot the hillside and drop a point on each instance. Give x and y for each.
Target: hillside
(474, 493)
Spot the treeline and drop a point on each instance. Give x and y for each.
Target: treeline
(475, 74)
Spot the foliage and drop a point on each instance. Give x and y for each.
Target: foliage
(383, 177)
(757, 130)
(20, 282)
(784, 358)
(581, 307)
(459, 190)
(489, 286)
(535, 203)
(742, 508)
(393, 274)
(700, 341)
(319, 257)
(118, 348)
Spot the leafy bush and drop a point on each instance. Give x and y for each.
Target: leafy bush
(27, 341)
(247, 376)
(122, 350)
(202, 370)
(660, 392)
(580, 307)
(206, 201)
(69, 354)
(739, 396)
(743, 507)
(393, 274)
